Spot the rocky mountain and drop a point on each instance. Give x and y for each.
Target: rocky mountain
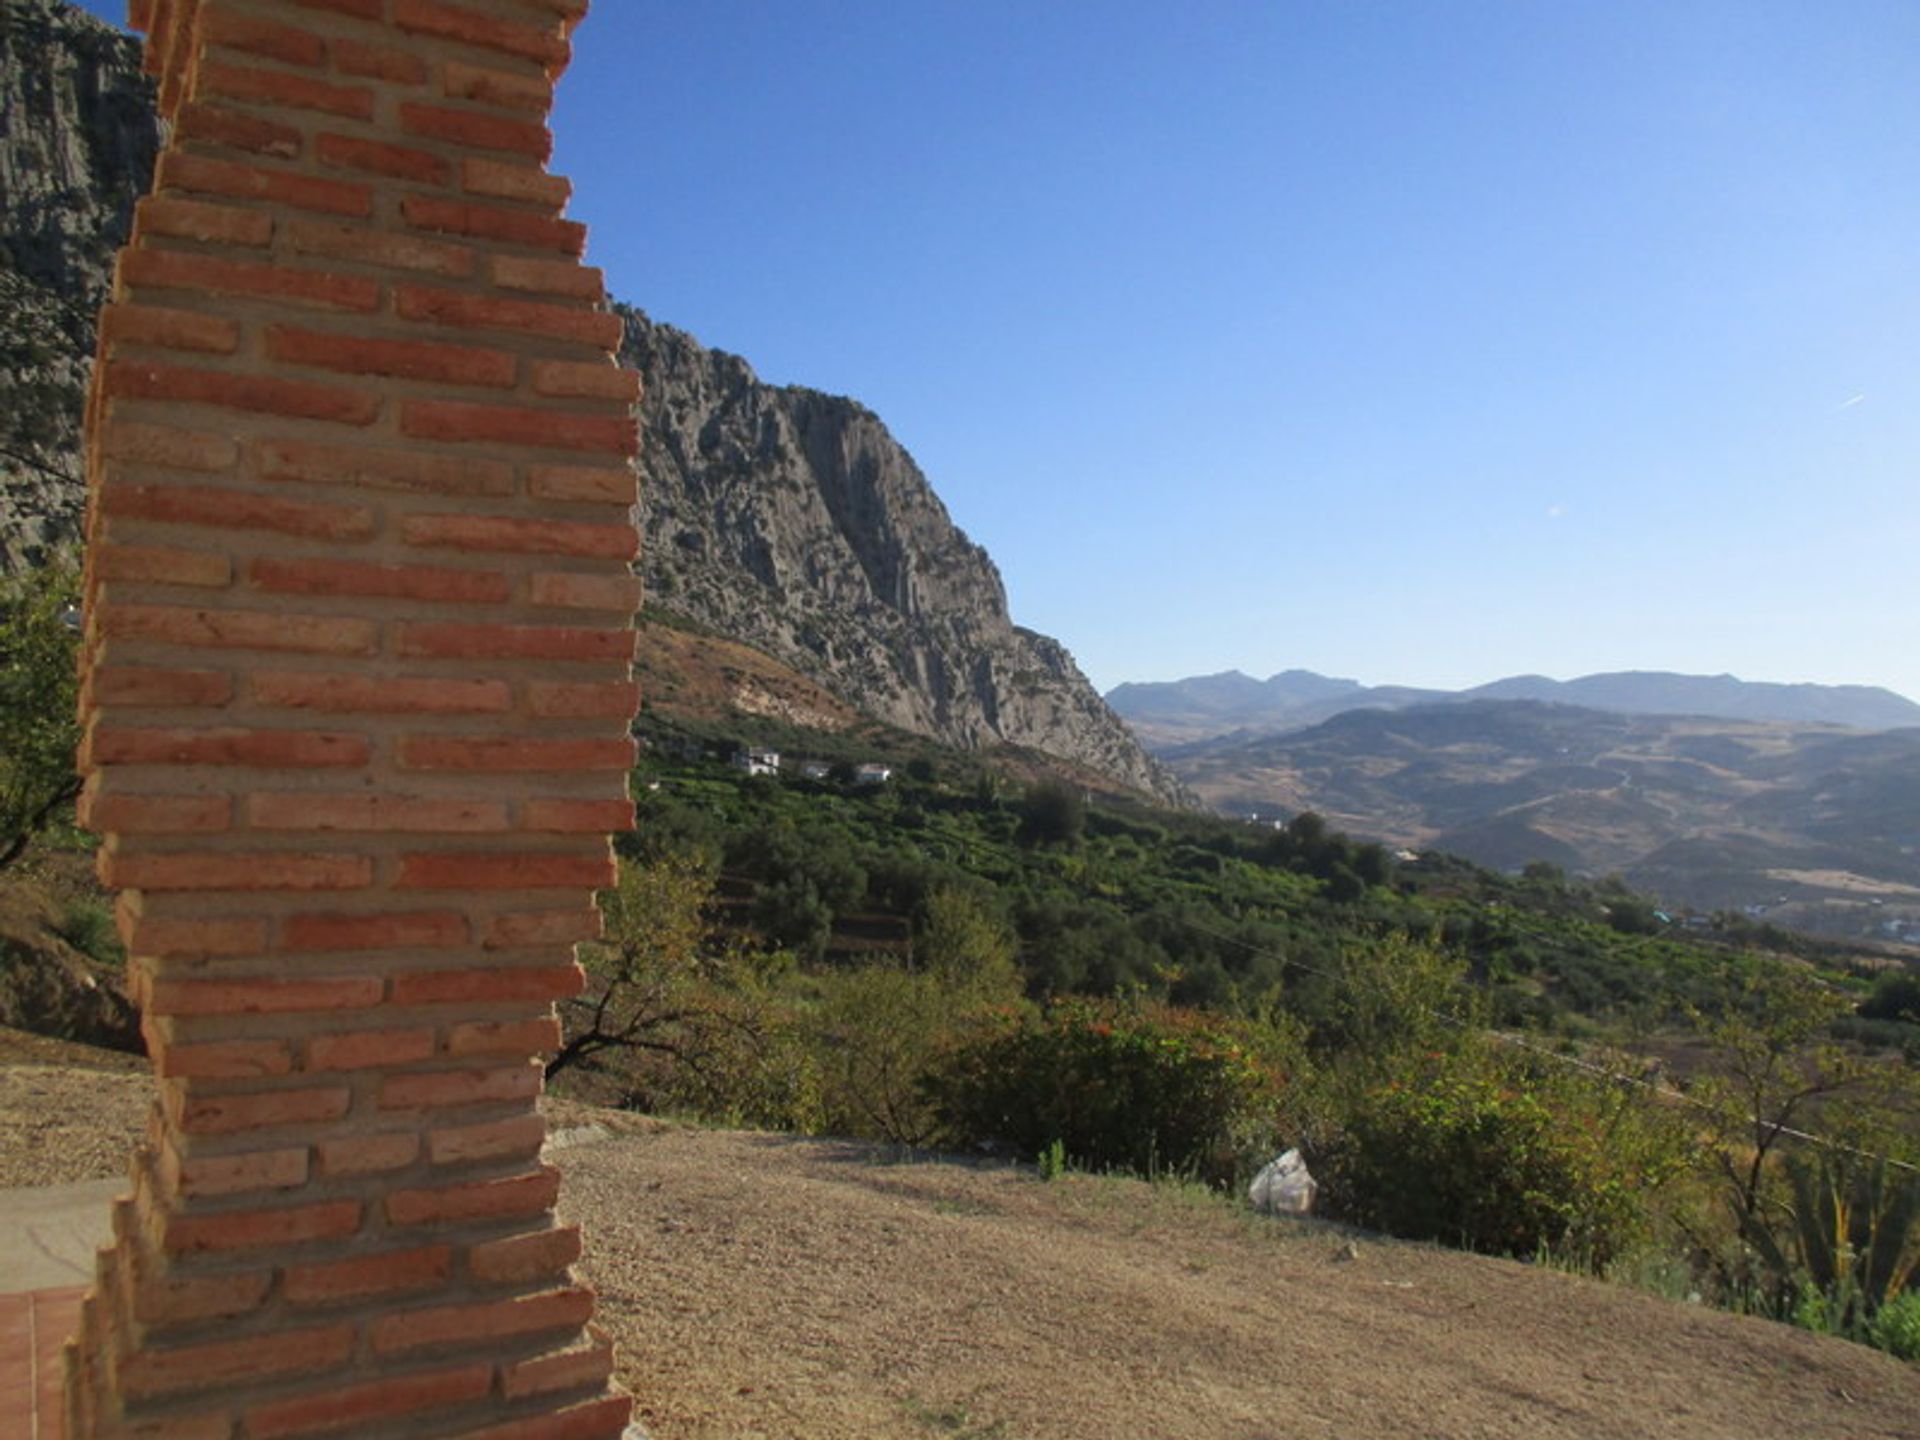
(777, 516)
(1814, 825)
(794, 521)
(1178, 712)
(77, 143)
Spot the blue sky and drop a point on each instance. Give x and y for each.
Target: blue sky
(1418, 342)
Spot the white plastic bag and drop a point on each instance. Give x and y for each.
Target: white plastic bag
(1283, 1187)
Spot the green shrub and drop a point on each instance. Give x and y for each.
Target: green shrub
(1498, 1159)
(1119, 1085)
(1896, 1329)
(88, 926)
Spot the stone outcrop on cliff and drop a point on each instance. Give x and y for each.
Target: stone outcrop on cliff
(77, 143)
(783, 517)
(794, 521)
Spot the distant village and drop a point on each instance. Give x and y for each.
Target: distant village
(758, 760)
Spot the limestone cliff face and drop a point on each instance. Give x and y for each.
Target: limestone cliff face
(77, 143)
(794, 521)
(785, 518)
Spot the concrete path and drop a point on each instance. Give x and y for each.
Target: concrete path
(48, 1235)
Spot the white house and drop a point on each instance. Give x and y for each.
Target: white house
(872, 773)
(757, 762)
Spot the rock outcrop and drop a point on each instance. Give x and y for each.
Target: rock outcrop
(77, 143)
(794, 521)
(783, 517)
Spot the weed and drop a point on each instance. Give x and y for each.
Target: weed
(1052, 1160)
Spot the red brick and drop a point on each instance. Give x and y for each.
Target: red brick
(501, 1037)
(399, 582)
(418, 815)
(378, 62)
(168, 329)
(265, 996)
(198, 220)
(563, 379)
(179, 270)
(493, 222)
(369, 1049)
(340, 1406)
(143, 686)
(521, 1258)
(604, 1419)
(575, 1368)
(236, 872)
(544, 927)
(516, 1138)
(229, 1114)
(315, 464)
(238, 1174)
(477, 131)
(513, 642)
(177, 1299)
(358, 9)
(437, 752)
(149, 380)
(505, 180)
(506, 89)
(166, 446)
(458, 422)
(560, 701)
(389, 1273)
(195, 939)
(222, 1060)
(243, 180)
(516, 1197)
(378, 247)
(592, 817)
(446, 1088)
(617, 593)
(487, 986)
(236, 510)
(161, 565)
(241, 629)
(231, 745)
(217, 125)
(154, 1371)
(408, 359)
(540, 276)
(593, 328)
(262, 37)
(401, 162)
(544, 43)
(491, 1320)
(374, 694)
(368, 1154)
(583, 485)
(405, 930)
(281, 90)
(153, 814)
(518, 535)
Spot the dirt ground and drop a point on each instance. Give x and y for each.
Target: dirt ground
(765, 1286)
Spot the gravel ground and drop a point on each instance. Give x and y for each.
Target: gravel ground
(763, 1286)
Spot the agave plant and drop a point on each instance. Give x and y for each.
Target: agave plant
(1855, 1234)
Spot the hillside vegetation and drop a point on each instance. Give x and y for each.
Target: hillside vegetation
(1532, 1066)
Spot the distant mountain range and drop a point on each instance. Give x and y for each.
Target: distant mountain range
(1805, 822)
(1177, 712)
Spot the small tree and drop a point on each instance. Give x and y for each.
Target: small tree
(38, 731)
(1054, 814)
(647, 979)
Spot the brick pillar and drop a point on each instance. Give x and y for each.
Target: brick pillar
(357, 707)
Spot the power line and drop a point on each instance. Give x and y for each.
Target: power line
(1663, 1092)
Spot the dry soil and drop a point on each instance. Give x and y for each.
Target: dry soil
(766, 1286)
